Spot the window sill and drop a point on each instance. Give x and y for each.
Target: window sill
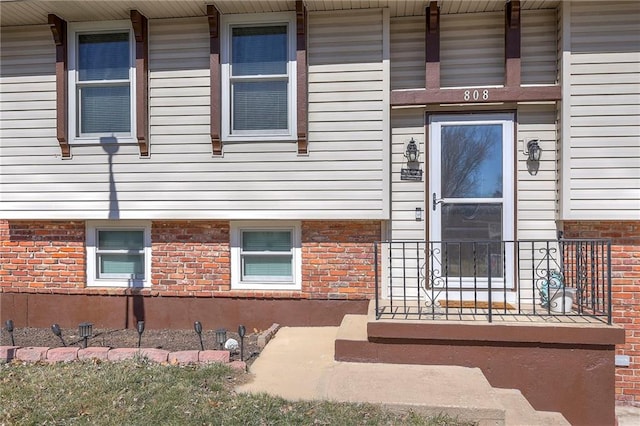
(266, 286)
(110, 282)
(259, 138)
(105, 140)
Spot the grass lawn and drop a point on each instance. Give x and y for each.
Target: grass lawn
(143, 393)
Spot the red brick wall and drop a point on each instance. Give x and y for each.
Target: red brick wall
(625, 259)
(338, 259)
(42, 256)
(189, 258)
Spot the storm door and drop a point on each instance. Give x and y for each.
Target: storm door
(471, 200)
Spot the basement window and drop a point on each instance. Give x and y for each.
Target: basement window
(118, 254)
(265, 256)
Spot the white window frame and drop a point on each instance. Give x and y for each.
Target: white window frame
(74, 30)
(230, 21)
(237, 228)
(507, 201)
(92, 228)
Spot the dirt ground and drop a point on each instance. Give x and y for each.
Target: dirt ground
(171, 340)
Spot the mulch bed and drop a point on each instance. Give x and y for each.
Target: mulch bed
(171, 340)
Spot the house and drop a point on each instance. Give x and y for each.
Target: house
(289, 161)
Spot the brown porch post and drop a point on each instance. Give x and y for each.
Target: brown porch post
(512, 30)
(432, 46)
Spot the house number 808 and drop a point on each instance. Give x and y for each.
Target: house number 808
(476, 95)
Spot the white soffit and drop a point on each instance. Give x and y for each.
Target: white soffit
(32, 12)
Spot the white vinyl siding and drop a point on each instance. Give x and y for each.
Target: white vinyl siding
(539, 44)
(407, 52)
(343, 177)
(472, 50)
(27, 95)
(603, 153)
(536, 189)
(539, 51)
(407, 195)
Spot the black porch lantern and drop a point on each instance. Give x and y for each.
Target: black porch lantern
(85, 330)
(412, 152)
(221, 337)
(533, 150)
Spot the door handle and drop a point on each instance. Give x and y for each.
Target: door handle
(436, 201)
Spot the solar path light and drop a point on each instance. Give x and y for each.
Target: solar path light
(140, 328)
(197, 326)
(55, 328)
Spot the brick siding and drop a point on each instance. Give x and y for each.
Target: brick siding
(42, 256)
(338, 259)
(189, 258)
(625, 259)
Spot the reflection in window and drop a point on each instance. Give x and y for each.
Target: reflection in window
(472, 161)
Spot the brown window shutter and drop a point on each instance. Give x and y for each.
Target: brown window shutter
(214, 73)
(59, 32)
(140, 30)
(301, 67)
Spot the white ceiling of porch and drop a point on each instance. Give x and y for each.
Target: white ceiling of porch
(28, 12)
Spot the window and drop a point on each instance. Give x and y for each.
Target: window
(258, 77)
(118, 254)
(101, 82)
(265, 256)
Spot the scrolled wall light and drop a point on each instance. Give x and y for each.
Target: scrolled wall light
(412, 153)
(412, 170)
(534, 152)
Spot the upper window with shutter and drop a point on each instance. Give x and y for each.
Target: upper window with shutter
(258, 77)
(101, 82)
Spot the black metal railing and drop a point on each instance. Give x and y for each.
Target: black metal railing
(483, 279)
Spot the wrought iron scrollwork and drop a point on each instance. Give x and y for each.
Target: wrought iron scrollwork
(548, 274)
(431, 279)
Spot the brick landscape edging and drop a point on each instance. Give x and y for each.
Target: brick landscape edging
(69, 354)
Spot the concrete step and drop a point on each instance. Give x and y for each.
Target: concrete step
(353, 327)
(457, 391)
(520, 413)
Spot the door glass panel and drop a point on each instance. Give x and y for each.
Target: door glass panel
(469, 232)
(471, 163)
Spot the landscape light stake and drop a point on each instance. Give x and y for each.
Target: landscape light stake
(241, 332)
(140, 328)
(9, 326)
(55, 328)
(221, 337)
(85, 330)
(197, 326)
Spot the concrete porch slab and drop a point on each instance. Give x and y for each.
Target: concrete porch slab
(298, 364)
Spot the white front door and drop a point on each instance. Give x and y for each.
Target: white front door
(470, 195)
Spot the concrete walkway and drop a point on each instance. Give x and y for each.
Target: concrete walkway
(298, 364)
(628, 416)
